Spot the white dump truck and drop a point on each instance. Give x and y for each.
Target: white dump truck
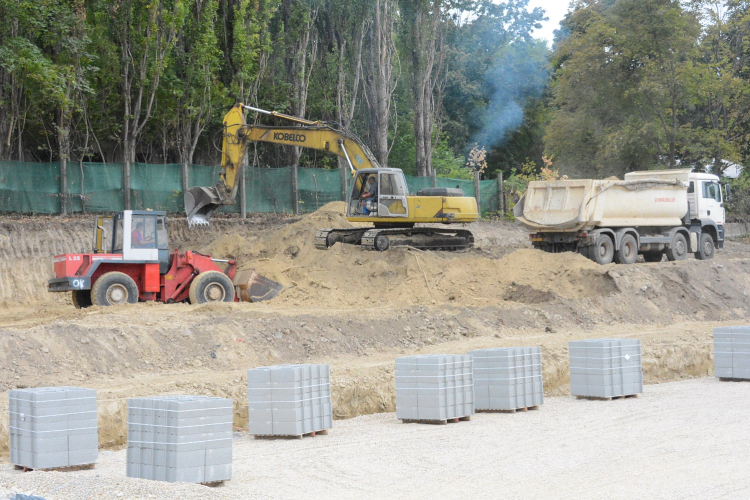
(652, 213)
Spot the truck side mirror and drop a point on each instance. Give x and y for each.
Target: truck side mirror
(726, 192)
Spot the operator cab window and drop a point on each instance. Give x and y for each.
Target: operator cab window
(364, 195)
(390, 185)
(143, 232)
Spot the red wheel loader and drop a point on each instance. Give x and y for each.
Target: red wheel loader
(131, 262)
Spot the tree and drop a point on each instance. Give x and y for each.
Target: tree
(381, 76)
(423, 22)
(145, 33)
(197, 65)
(620, 98)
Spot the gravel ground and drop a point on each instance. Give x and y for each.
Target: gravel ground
(679, 440)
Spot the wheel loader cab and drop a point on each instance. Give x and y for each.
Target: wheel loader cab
(141, 235)
(379, 192)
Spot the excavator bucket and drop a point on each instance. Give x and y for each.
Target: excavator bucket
(253, 287)
(200, 203)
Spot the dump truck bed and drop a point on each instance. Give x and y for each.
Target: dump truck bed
(643, 199)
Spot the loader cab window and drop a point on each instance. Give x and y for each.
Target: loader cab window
(143, 233)
(161, 233)
(117, 235)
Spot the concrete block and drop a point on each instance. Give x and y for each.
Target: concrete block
(218, 472)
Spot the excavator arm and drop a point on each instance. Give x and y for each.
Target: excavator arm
(201, 202)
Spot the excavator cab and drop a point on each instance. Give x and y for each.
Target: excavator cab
(378, 192)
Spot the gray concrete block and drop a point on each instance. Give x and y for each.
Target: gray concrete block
(218, 472)
(605, 367)
(83, 456)
(174, 434)
(296, 394)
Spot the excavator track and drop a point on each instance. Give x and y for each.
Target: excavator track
(424, 238)
(326, 238)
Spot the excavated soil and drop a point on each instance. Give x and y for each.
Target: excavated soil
(352, 308)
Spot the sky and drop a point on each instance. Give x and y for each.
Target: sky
(555, 10)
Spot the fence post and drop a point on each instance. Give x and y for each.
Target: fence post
(295, 191)
(434, 178)
(243, 198)
(500, 194)
(63, 182)
(477, 192)
(126, 184)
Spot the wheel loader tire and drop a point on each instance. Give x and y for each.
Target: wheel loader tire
(211, 286)
(705, 247)
(653, 256)
(678, 249)
(603, 251)
(81, 298)
(628, 252)
(113, 289)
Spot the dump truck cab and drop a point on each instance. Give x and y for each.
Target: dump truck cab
(130, 261)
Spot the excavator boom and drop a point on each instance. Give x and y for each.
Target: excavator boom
(201, 202)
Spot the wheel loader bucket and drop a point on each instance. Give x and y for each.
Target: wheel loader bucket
(200, 203)
(253, 287)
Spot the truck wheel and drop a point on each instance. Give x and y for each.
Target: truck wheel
(628, 252)
(603, 251)
(653, 256)
(81, 298)
(705, 247)
(113, 289)
(678, 249)
(211, 286)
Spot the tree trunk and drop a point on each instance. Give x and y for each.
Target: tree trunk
(299, 63)
(427, 57)
(380, 82)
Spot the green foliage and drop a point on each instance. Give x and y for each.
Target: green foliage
(641, 84)
(448, 164)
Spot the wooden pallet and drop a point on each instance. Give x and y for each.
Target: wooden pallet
(437, 422)
(324, 432)
(213, 484)
(527, 408)
(727, 379)
(595, 398)
(72, 468)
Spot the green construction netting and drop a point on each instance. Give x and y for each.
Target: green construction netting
(158, 187)
(269, 190)
(94, 187)
(28, 187)
(317, 187)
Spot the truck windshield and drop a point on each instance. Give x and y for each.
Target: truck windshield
(712, 190)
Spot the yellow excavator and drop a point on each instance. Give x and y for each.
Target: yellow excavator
(379, 196)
